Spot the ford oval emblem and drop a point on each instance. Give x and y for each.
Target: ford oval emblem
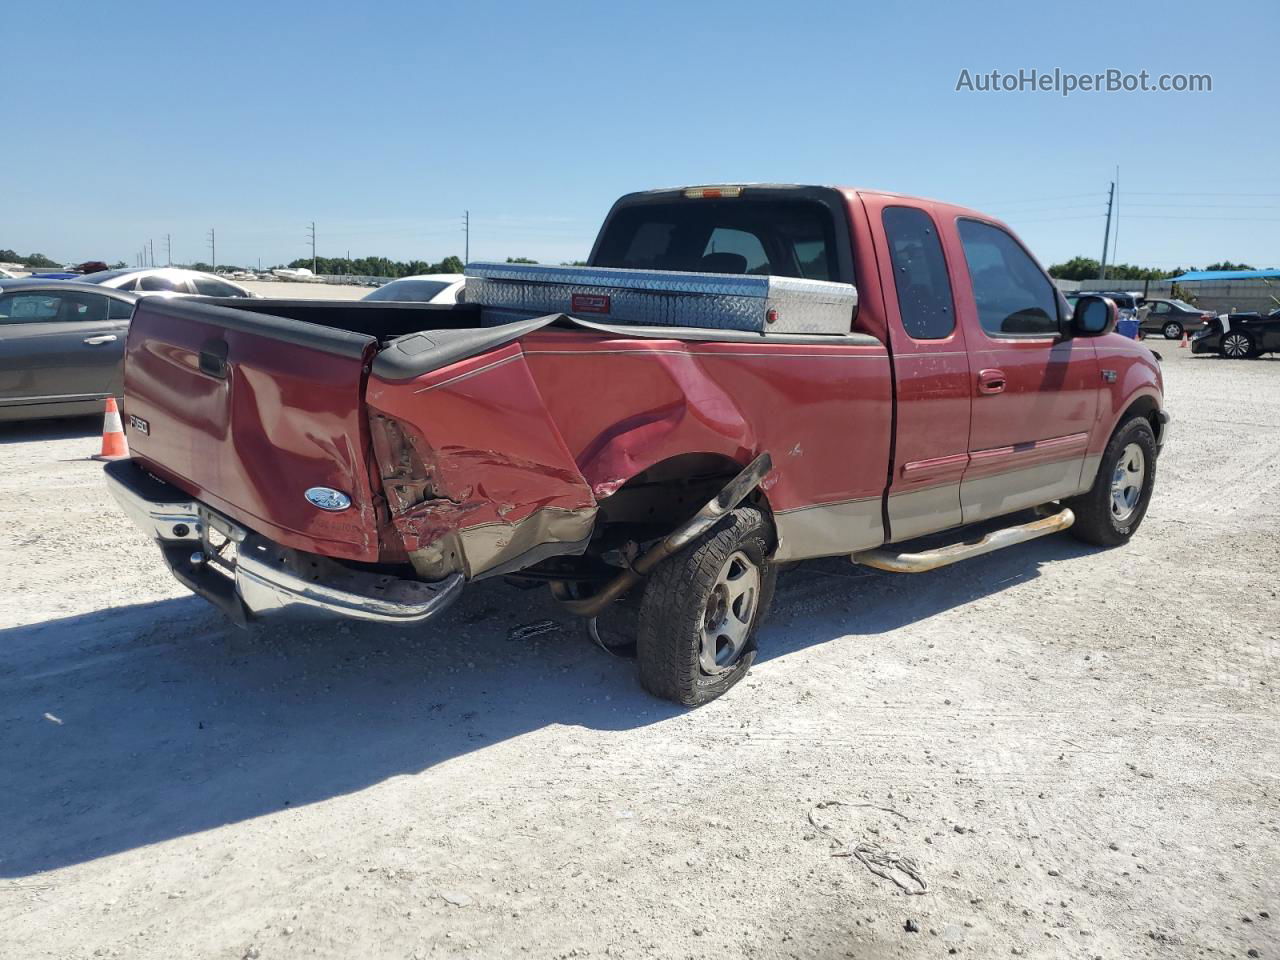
(327, 498)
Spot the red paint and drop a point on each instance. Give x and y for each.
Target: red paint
(564, 418)
(285, 418)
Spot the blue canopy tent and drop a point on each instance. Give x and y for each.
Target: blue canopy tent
(1228, 275)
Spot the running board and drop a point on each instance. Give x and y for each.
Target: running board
(895, 562)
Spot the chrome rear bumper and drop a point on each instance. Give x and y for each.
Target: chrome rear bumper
(264, 577)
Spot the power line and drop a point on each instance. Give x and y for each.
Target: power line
(1067, 196)
(1086, 216)
(1211, 219)
(1159, 193)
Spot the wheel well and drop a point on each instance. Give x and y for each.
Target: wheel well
(666, 494)
(1145, 407)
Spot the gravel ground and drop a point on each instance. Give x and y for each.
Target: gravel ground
(1077, 749)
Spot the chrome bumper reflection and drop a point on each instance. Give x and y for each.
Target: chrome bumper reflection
(264, 577)
(271, 577)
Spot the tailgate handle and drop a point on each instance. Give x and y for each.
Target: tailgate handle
(213, 358)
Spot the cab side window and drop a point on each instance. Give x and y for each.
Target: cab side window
(919, 274)
(154, 282)
(1014, 298)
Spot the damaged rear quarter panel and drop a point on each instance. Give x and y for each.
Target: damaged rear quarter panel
(499, 478)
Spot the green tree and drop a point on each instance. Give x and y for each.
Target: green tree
(1228, 265)
(1077, 268)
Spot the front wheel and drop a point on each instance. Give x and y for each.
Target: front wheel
(1172, 330)
(1236, 346)
(1110, 513)
(701, 608)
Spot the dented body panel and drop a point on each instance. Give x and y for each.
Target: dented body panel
(469, 451)
(550, 426)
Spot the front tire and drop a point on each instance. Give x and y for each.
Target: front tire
(1172, 330)
(701, 608)
(1236, 346)
(1111, 512)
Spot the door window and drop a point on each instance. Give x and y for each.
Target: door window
(120, 309)
(208, 287)
(52, 308)
(155, 282)
(919, 273)
(1160, 308)
(1014, 298)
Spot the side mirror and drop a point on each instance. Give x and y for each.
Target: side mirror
(1094, 316)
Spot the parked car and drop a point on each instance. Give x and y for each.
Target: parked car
(1173, 318)
(6, 275)
(423, 288)
(167, 280)
(724, 388)
(61, 345)
(1239, 336)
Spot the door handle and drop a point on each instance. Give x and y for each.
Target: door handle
(991, 382)
(99, 340)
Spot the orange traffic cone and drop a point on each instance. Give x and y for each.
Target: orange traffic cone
(1185, 340)
(114, 445)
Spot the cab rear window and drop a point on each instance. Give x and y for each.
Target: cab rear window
(782, 238)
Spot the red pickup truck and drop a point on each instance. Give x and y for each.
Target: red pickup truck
(741, 377)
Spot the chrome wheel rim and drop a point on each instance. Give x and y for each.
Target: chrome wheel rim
(1127, 481)
(1235, 345)
(1171, 331)
(731, 608)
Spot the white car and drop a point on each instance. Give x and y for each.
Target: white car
(6, 275)
(167, 280)
(424, 288)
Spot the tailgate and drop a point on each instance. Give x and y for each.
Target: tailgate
(247, 411)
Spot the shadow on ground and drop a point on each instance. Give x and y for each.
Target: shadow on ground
(168, 721)
(63, 428)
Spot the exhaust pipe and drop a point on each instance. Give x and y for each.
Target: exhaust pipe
(725, 501)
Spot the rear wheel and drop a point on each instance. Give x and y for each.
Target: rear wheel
(701, 608)
(1172, 330)
(1236, 346)
(1110, 513)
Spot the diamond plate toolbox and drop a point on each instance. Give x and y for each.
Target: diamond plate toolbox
(718, 301)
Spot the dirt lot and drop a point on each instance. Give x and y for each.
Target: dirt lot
(1077, 748)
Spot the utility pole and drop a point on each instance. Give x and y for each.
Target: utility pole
(168, 249)
(466, 229)
(1106, 237)
(213, 249)
(151, 244)
(1115, 239)
(312, 235)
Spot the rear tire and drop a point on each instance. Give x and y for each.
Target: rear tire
(1111, 512)
(1172, 330)
(1236, 346)
(701, 608)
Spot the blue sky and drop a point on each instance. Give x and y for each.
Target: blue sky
(382, 126)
